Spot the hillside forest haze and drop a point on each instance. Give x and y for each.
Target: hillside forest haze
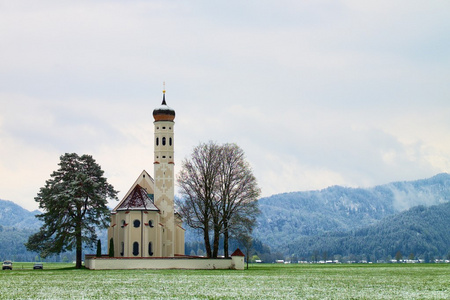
(373, 224)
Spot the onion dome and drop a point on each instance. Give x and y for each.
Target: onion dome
(163, 113)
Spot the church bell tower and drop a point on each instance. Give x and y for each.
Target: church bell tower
(164, 189)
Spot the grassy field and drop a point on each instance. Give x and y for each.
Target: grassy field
(261, 281)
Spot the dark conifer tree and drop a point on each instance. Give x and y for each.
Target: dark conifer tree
(74, 204)
(99, 248)
(111, 248)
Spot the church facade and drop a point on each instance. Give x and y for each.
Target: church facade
(145, 223)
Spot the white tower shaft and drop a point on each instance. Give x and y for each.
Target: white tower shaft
(164, 182)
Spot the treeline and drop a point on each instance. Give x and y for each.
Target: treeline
(12, 247)
(12, 244)
(419, 233)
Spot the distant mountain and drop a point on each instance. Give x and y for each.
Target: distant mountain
(422, 231)
(14, 215)
(16, 225)
(290, 216)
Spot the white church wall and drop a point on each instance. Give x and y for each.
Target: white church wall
(103, 263)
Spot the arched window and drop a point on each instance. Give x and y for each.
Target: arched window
(123, 224)
(157, 141)
(164, 141)
(122, 248)
(136, 223)
(170, 141)
(150, 252)
(135, 248)
(150, 223)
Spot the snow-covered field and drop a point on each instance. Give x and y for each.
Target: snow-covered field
(262, 281)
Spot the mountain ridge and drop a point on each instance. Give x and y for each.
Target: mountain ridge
(288, 221)
(284, 217)
(14, 215)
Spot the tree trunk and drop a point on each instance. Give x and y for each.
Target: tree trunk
(247, 255)
(79, 251)
(207, 242)
(225, 239)
(216, 241)
(78, 240)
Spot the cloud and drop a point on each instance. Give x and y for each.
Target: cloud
(316, 93)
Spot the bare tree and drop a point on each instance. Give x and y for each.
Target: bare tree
(198, 181)
(219, 193)
(238, 192)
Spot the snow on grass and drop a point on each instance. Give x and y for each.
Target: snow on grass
(259, 282)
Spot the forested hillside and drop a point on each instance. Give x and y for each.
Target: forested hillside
(12, 241)
(16, 225)
(289, 216)
(420, 231)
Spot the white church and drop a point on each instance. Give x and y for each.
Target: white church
(145, 223)
(145, 228)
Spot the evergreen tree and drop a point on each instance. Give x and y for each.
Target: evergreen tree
(111, 248)
(99, 248)
(74, 202)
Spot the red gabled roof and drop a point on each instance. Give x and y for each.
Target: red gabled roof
(138, 199)
(238, 252)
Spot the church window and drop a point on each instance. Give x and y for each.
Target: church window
(157, 141)
(135, 248)
(164, 141)
(164, 156)
(164, 127)
(150, 223)
(136, 223)
(150, 252)
(170, 141)
(122, 248)
(123, 224)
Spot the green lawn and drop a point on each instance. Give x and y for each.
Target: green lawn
(269, 281)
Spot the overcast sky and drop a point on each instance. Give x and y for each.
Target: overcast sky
(316, 93)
